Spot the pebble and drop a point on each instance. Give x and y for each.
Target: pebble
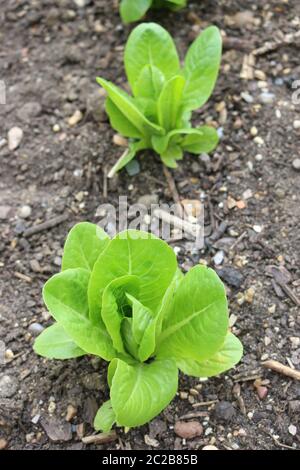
(56, 128)
(150, 441)
(24, 211)
(14, 136)
(29, 110)
(5, 212)
(262, 392)
(247, 194)
(3, 444)
(292, 429)
(224, 411)
(81, 3)
(259, 140)
(295, 340)
(296, 164)
(188, 429)
(247, 97)
(57, 430)
(266, 98)
(231, 276)
(71, 413)
(183, 395)
(231, 202)
(254, 131)
(120, 140)
(51, 407)
(35, 329)
(257, 228)
(249, 295)
(218, 258)
(35, 266)
(296, 124)
(8, 386)
(258, 157)
(133, 168)
(210, 447)
(75, 118)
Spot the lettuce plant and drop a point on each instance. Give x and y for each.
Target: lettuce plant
(126, 301)
(134, 10)
(158, 115)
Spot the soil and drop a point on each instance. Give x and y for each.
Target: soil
(50, 54)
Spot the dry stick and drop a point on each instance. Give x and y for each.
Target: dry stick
(204, 403)
(280, 444)
(23, 277)
(289, 293)
(46, 225)
(102, 438)
(280, 42)
(172, 186)
(197, 414)
(188, 227)
(282, 369)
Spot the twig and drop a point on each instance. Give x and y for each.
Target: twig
(104, 182)
(290, 294)
(46, 225)
(238, 240)
(197, 414)
(282, 41)
(23, 277)
(285, 446)
(101, 438)
(204, 403)
(282, 369)
(237, 44)
(247, 376)
(172, 186)
(188, 227)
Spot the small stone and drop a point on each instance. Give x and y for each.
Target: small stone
(280, 193)
(294, 406)
(218, 258)
(150, 441)
(183, 395)
(231, 202)
(240, 204)
(29, 437)
(81, 3)
(247, 194)
(29, 110)
(35, 266)
(35, 329)
(210, 447)
(71, 413)
(267, 341)
(57, 430)
(194, 392)
(120, 140)
(56, 128)
(262, 392)
(259, 140)
(14, 136)
(231, 276)
(5, 212)
(3, 444)
(24, 212)
(188, 429)
(260, 75)
(272, 309)
(266, 98)
(249, 295)
(75, 118)
(224, 411)
(133, 168)
(253, 131)
(258, 157)
(296, 124)
(9, 354)
(296, 164)
(295, 340)
(257, 228)
(8, 386)
(292, 429)
(51, 407)
(247, 97)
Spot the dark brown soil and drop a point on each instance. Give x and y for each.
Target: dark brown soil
(50, 54)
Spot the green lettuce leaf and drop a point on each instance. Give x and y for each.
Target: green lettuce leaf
(150, 44)
(170, 102)
(84, 244)
(105, 417)
(201, 139)
(140, 392)
(198, 323)
(54, 343)
(133, 10)
(228, 355)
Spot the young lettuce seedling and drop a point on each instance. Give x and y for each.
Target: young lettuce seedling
(158, 114)
(134, 10)
(126, 301)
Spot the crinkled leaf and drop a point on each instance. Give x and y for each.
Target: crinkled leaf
(228, 355)
(198, 322)
(126, 105)
(65, 295)
(136, 253)
(202, 139)
(133, 10)
(201, 68)
(114, 303)
(84, 244)
(150, 44)
(54, 343)
(140, 392)
(105, 417)
(170, 102)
